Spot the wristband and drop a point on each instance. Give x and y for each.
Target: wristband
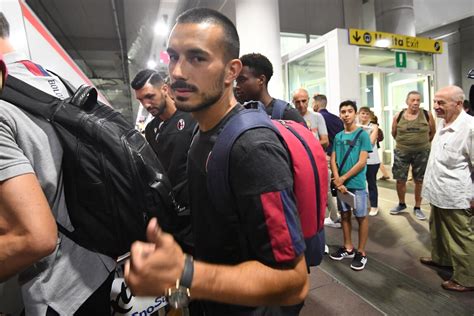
(188, 272)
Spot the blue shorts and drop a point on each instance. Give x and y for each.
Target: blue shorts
(360, 201)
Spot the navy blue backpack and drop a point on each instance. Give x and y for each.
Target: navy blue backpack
(309, 169)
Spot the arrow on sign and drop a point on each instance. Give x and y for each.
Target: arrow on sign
(356, 36)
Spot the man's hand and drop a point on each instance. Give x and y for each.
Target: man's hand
(338, 181)
(342, 189)
(155, 266)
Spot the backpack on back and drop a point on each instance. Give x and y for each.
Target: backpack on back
(113, 180)
(309, 169)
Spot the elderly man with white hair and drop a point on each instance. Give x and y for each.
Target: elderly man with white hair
(449, 188)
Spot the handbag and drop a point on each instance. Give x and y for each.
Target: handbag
(351, 145)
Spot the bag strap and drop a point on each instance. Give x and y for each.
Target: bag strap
(30, 99)
(425, 112)
(218, 182)
(279, 107)
(351, 145)
(219, 186)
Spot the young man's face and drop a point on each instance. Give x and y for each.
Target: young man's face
(248, 86)
(152, 99)
(197, 68)
(347, 114)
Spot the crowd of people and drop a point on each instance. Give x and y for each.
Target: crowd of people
(246, 258)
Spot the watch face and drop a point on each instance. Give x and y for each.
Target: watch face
(179, 297)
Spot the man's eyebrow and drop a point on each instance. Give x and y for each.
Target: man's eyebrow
(197, 51)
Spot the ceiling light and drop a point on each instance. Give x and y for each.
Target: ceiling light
(151, 64)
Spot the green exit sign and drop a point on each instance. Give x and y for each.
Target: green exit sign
(401, 59)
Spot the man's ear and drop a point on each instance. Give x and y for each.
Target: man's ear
(233, 69)
(262, 80)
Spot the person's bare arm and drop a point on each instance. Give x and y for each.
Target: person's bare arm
(153, 268)
(354, 170)
(324, 140)
(374, 134)
(252, 283)
(334, 170)
(432, 124)
(394, 125)
(28, 229)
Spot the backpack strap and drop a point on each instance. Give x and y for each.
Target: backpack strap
(218, 166)
(425, 112)
(400, 116)
(279, 107)
(30, 99)
(218, 183)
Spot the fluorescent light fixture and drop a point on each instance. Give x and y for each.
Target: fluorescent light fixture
(384, 42)
(151, 64)
(161, 28)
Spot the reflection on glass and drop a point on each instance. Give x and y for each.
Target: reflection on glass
(308, 72)
(386, 58)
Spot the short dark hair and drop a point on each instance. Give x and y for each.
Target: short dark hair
(413, 92)
(259, 64)
(348, 103)
(204, 15)
(321, 98)
(147, 75)
(4, 26)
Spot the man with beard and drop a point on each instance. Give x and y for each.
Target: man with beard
(249, 256)
(252, 85)
(169, 134)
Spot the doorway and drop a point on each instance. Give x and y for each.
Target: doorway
(385, 91)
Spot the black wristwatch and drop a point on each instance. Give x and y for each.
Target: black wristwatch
(179, 296)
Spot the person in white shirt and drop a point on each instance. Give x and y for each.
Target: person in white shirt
(449, 188)
(314, 120)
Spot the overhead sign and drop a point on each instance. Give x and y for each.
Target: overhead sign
(395, 41)
(400, 59)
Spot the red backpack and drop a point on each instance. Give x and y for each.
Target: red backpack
(309, 166)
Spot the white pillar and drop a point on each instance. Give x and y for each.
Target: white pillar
(258, 24)
(395, 16)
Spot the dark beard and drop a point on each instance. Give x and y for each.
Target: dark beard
(208, 100)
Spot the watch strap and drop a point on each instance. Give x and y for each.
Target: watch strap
(188, 272)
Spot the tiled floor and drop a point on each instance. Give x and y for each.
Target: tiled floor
(394, 282)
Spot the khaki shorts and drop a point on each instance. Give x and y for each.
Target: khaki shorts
(402, 161)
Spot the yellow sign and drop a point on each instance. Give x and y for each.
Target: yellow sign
(394, 41)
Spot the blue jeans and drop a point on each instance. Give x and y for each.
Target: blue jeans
(360, 209)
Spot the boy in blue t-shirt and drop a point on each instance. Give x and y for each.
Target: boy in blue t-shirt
(351, 178)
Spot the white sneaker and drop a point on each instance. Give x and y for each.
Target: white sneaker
(373, 211)
(326, 249)
(329, 222)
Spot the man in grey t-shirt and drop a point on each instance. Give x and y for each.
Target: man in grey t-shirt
(57, 276)
(314, 121)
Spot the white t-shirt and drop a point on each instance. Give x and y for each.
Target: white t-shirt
(316, 123)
